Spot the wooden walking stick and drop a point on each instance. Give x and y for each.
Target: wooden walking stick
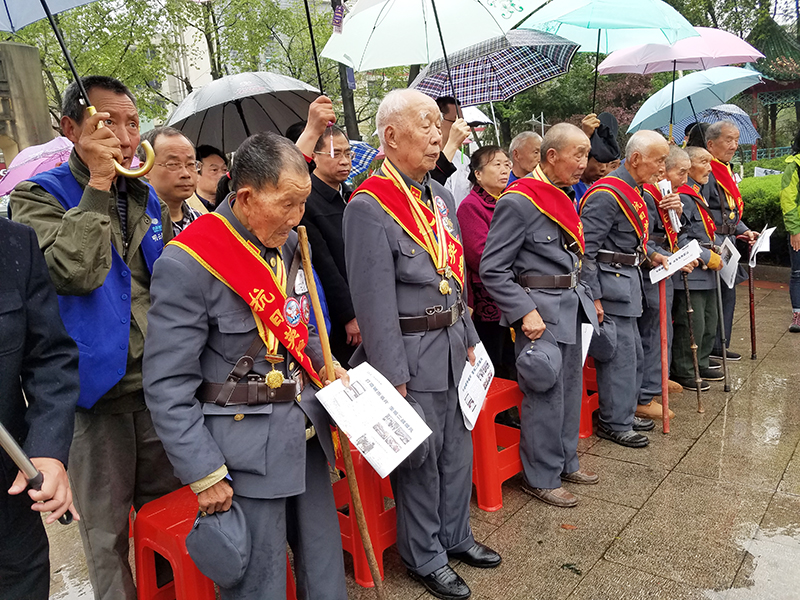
(698, 381)
(722, 339)
(344, 442)
(662, 318)
(751, 284)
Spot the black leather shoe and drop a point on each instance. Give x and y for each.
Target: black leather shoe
(641, 424)
(630, 439)
(712, 374)
(714, 364)
(479, 556)
(444, 583)
(730, 355)
(689, 384)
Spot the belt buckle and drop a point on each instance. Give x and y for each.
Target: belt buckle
(454, 316)
(573, 280)
(432, 310)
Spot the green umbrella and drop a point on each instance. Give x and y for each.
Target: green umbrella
(608, 25)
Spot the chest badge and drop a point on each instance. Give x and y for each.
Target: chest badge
(292, 312)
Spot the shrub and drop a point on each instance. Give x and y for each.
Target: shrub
(762, 206)
(779, 164)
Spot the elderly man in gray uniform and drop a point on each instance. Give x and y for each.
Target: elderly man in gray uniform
(406, 272)
(725, 201)
(531, 268)
(230, 416)
(615, 222)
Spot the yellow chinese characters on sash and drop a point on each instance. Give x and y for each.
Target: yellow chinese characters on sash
(236, 262)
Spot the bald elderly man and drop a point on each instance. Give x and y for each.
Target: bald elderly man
(525, 150)
(615, 222)
(531, 268)
(410, 302)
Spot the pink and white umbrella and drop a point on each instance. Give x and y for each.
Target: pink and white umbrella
(713, 48)
(33, 160)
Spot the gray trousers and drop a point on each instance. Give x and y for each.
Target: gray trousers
(704, 327)
(620, 379)
(650, 333)
(728, 304)
(551, 421)
(432, 499)
(309, 524)
(116, 462)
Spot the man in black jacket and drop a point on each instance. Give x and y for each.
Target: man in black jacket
(37, 357)
(323, 222)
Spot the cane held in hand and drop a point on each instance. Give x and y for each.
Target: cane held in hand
(363, 531)
(24, 464)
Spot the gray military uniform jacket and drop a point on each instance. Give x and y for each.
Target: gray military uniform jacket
(391, 276)
(199, 328)
(524, 241)
(606, 227)
(693, 229)
(720, 210)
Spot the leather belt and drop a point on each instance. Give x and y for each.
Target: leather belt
(251, 392)
(436, 317)
(605, 256)
(551, 282)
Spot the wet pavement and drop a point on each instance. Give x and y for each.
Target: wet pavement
(710, 511)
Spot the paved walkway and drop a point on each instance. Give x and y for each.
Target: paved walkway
(710, 511)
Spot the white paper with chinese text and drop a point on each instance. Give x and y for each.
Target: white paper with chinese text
(730, 261)
(474, 385)
(681, 258)
(761, 245)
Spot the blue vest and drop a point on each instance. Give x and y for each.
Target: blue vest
(100, 321)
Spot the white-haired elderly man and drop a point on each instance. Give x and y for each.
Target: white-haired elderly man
(615, 223)
(405, 267)
(725, 201)
(525, 150)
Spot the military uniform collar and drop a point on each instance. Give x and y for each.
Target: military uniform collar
(622, 173)
(421, 187)
(226, 210)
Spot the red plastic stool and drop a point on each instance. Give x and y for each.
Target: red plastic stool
(589, 399)
(491, 466)
(381, 521)
(162, 526)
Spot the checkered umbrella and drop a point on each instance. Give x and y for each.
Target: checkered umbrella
(499, 68)
(363, 155)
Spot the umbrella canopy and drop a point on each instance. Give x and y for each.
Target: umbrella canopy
(15, 14)
(228, 110)
(723, 112)
(363, 155)
(475, 116)
(619, 23)
(387, 33)
(34, 160)
(713, 48)
(694, 93)
(499, 68)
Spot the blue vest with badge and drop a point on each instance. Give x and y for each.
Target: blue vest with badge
(100, 321)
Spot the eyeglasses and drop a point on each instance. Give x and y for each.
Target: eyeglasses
(337, 154)
(448, 120)
(173, 167)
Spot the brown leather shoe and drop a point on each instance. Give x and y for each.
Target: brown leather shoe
(674, 387)
(582, 476)
(651, 411)
(557, 497)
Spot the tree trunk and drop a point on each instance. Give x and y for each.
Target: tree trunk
(413, 71)
(773, 117)
(208, 33)
(505, 131)
(350, 119)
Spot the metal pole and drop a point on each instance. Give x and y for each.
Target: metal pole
(724, 342)
(698, 381)
(596, 64)
(313, 46)
(444, 51)
(672, 101)
(496, 129)
(662, 318)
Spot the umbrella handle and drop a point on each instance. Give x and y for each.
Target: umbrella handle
(149, 161)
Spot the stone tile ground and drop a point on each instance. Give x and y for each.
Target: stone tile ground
(711, 510)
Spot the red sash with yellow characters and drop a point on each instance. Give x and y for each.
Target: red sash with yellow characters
(216, 245)
(722, 173)
(425, 226)
(672, 235)
(702, 205)
(630, 202)
(551, 202)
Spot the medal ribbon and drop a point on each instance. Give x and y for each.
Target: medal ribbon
(222, 251)
(435, 240)
(672, 235)
(629, 200)
(722, 173)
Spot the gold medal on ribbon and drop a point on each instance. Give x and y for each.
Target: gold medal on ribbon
(444, 287)
(448, 272)
(274, 377)
(732, 215)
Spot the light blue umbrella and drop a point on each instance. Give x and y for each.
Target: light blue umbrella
(16, 14)
(723, 112)
(608, 25)
(693, 94)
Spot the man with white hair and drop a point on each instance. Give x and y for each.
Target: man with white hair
(615, 221)
(405, 268)
(525, 150)
(726, 205)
